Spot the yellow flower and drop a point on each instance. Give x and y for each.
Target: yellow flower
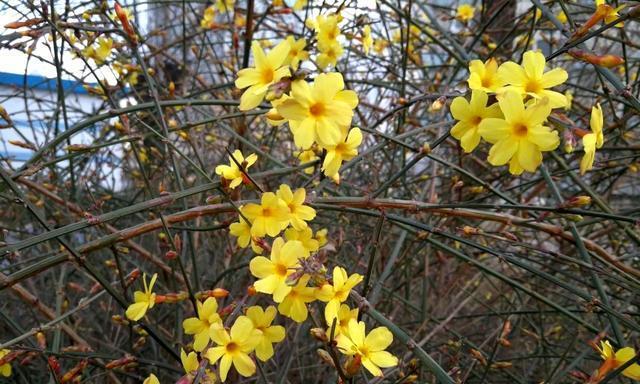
(296, 52)
(379, 45)
(338, 292)
(242, 230)
(190, 362)
(271, 334)
(299, 213)
(465, 13)
(294, 304)
(330, 55)
(367, 40)
(269, 217)
(305, 236)
(520, 137)
(592, 140)
(104, 49)
(343, 317)
(321, 236)
(569, 95)
(232, 171)
(562, 17)
(239, 21)
(319, 111)
(152, 379)
(5, 369)
(327, 31)
(199, 326)
(484, 77)
(613, 360)
(345, 150)
(224, 5)
(469, 116)
(530, 78)
(370, 348)
(609, 13)
(208, 19)
(274, 271)
(299, 4)
(142, 301)
(273, 117)
(306, 157)
(268, 70)
(234, 347)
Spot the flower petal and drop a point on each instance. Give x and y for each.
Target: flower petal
(261, 267)
(460, 109)
(533, 63)
(378, 339)
(383, 359)
(494, 130)
(554, 77)
(502, 151)
(529, 156)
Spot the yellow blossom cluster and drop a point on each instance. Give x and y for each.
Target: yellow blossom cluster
(328, 36)
(294, 277)
(516, 123)
(208, 20)
(99, 51)
(319, 113)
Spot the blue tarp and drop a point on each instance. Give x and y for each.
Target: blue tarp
(40, 82)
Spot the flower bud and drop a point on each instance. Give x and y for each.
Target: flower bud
(214, 199)
(325, 356)
(54, 364)
(170, 255)
(607, 61)
(352, 365)
(578, 201)
(120, 362)
(74, 372)
(569, 141)
(319, 334)
(42, 340)
(437, 104)
(118, 319)
(502, 365)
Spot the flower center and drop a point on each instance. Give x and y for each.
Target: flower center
(232, 347)
(293, 53)
(341, 148)
(267, 75)
(281, 270)
(486, 82)
(520, 130)
(317, 110)
(476, 120)
(266, 212)
(533, 86)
